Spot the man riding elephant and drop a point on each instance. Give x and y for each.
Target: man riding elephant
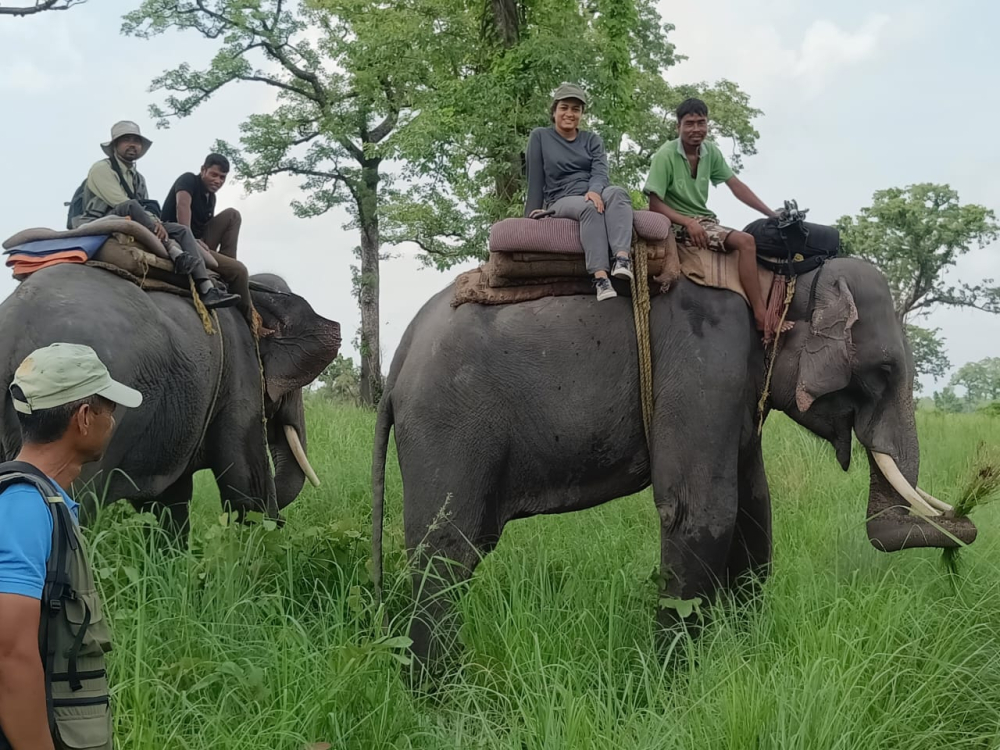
(508, 411)
(114, 187)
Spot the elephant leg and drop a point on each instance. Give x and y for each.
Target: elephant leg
(749, 561)
(173, 510)
(695, 491)
(446, 544)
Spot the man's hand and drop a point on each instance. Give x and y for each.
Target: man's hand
(204, 246)
(160, 231)
(696, 233)
(596, 200)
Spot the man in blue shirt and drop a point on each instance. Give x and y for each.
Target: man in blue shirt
(65, 401)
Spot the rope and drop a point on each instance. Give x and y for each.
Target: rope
(218, 380)
(206, 319)
(640, 312)
(772, 356)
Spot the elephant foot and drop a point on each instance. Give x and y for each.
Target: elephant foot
(892, 531)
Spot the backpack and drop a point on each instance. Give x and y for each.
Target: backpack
(75, 205)
(789, 245)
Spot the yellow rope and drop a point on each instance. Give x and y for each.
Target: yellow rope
(640, 312)
(206, 320)
(766, 393)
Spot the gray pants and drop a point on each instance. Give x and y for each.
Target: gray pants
(600, 234)
(177, 232)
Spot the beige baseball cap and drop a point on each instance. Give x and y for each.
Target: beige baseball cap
(63, 373)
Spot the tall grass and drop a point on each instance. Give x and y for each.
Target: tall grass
(270, 639)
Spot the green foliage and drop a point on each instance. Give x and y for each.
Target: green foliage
(464, 151)
(270, 639)
(948, 401)
(929, 357)
(981, 380)
(915, 235)
(341, 381)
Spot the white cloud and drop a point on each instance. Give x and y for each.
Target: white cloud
(749, 43)
(25, 77)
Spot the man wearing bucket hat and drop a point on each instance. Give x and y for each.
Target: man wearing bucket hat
(568, 178)
(53, 634)
(114, 187)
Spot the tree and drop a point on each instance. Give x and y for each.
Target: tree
(948, 401)
(915, 235)
(927, 347)
(341, 381)
(40, 6)
(342, 90)
(465, 149)
(981, 380)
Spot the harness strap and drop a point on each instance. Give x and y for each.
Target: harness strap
(57, 585)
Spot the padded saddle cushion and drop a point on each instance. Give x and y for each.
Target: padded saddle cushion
(562, 236)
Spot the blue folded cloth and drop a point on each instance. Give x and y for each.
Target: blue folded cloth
(90, 245)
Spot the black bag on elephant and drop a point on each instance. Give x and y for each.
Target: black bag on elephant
(790, 245)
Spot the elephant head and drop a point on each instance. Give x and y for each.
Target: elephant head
(846, 365)
(302, 345)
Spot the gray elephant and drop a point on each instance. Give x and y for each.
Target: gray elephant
(505, 412)
(204, 402)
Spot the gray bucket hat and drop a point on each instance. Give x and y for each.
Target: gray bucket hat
(569, 91)
(125, 127)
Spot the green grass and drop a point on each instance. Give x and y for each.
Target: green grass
(259, 639)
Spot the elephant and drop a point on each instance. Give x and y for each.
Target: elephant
(510, 411)
(204, 399)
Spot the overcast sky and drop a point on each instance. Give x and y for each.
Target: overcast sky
(857, 96)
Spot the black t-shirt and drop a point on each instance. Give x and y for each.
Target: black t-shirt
(202, 202)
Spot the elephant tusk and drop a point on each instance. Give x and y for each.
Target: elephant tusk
(891, 472)
(300, 455)
(935, 503)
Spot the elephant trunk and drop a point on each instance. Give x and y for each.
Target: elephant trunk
(286, 436)
(900, 514)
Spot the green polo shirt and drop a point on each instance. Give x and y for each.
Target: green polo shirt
(670, 177)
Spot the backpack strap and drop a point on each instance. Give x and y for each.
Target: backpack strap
(57, 574)
(121, 178)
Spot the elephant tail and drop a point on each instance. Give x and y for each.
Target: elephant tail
(383, 424)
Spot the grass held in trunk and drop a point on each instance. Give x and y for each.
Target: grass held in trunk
(983, 486)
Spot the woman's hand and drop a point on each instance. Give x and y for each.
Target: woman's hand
(596, 200)
(538, 212)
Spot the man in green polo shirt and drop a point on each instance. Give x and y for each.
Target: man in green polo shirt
(677, 187)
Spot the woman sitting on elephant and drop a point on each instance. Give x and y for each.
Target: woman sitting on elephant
(568, 178)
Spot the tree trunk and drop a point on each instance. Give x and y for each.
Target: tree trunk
(368, 292)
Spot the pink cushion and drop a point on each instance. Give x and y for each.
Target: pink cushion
(551, 235)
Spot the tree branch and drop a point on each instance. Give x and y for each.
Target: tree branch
(40, 7)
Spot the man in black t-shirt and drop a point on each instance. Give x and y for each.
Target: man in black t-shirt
(191, 202)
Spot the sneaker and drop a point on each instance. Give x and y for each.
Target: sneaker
(604, 289)
(213, 298)
(622, 268)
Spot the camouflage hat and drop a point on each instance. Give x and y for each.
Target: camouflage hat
(63, 373)
(569, 91)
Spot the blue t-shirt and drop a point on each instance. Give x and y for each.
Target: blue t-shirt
(26, 539)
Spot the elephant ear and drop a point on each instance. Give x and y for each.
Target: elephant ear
(302, 345)
(825, 360)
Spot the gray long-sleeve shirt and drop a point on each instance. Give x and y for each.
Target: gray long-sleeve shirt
(557, 167)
